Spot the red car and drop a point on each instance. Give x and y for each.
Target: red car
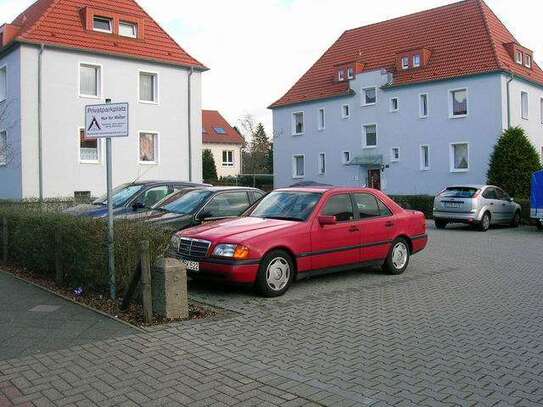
(294, 233)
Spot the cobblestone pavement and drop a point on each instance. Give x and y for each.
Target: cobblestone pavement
(463, 326)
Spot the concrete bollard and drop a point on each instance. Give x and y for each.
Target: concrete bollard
(170, 296)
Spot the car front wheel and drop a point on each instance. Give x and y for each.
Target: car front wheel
(398, 258)
(440, 224)
(275, 274)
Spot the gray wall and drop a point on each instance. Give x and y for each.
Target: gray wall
(10, 174)
(63, 114)
(403, 129)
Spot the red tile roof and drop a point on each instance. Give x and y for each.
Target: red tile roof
(464, 38)
(211, 122)
(62, 23)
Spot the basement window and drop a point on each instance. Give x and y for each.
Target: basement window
(102, 24)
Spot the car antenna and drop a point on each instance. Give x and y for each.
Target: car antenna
(140, 176)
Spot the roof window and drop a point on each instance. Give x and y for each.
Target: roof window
(127, 29)
(220, 130)
(102, 24)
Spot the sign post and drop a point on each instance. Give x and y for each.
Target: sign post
(108, 121)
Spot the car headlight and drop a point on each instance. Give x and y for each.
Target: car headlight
(175, 242)
(233, 251)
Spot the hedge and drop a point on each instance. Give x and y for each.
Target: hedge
(33, 231)
(425, 204)
(264, 182)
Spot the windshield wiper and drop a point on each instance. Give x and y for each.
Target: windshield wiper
(284, 218)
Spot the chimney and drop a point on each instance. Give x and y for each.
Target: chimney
(8, 32)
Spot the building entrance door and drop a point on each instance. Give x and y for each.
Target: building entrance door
(374, 179)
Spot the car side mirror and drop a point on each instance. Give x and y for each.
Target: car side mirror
(138, 205)
(327, 220)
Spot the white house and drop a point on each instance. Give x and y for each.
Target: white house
(409, 105)
(59, 56)
(224, 142)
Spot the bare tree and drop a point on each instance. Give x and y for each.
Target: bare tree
(7, 149)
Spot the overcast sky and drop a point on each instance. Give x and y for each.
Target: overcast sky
(257, 49)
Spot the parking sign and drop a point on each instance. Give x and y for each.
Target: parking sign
(109, 120)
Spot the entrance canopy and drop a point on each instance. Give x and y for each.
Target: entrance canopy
(367, 160)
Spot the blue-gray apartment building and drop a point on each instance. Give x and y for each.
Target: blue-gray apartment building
(409, 105)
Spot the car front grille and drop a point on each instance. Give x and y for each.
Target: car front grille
(193, 249)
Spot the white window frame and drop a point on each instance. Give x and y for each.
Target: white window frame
(528, 60)
(4, 162)
(321, 114)
(228, 163)
(129, 23)
(451, 157)
(405, 63)
(393, 159)
(421, 115)
(350, 73)
(293, 123)
(322, 156)
(392, 110)
(341, 75)
(364, 96)
(365, 145)
(156, 87)
(416, 60)
(294, 175)
(525, 115)
(451, 103)
(5, 69)
(99, 85)
(424, 167)
(111, 23)
(519, 57)
(157, 147)
(343, 115)
(343, 160)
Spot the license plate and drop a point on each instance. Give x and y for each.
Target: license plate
(191, 265)
(453, 205)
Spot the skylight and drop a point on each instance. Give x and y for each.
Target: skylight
(219, 130)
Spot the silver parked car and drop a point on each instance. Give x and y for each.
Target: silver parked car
(477, 205)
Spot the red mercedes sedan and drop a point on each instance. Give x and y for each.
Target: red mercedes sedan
(295, 233)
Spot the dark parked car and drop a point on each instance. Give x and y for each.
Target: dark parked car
(193, 206)
(135, 197)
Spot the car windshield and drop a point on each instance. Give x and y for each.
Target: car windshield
(121, 195)
(296, 206)
(459, 192)
(188, 203)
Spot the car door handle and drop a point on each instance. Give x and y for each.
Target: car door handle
(353, 229)
(389, 224)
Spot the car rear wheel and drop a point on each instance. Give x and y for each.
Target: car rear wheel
(398, 258)
(485, 222)
(515, 222)
(440, 224)
(275, 274)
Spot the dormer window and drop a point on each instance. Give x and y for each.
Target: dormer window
(127, 29)
(518, 57)
(405, 62)
(350, 73)
(102, 24)
(416, 60)
(528, 61)
(341, 75)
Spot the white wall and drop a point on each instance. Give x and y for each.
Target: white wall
(216, 150)
(534, 124)
(63, 114)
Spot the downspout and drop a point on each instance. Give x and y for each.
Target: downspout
(509, 100)
(191, 72)
(40, 130)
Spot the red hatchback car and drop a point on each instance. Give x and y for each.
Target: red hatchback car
(299, 232)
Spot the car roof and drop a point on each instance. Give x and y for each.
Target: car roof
(475, 186)
(322, 189)
(225, 188)
(156, 182)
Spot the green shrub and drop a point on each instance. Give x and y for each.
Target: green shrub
(513, 162)
(264, 182)
(208, 166)
(423, 203)
(32, 234)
